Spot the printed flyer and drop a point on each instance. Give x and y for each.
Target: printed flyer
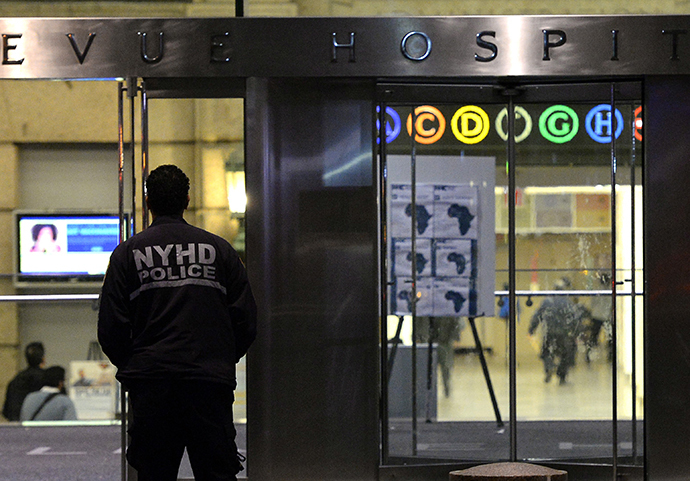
(446, 234)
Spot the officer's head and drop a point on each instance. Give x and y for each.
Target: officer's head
(167, 190)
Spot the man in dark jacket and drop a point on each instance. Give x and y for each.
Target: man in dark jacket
(561, 321)
(176, 314)
(25, 382)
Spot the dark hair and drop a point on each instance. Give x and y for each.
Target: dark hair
(34, 353)
(167, 189)
(39, 227)
(53, 376)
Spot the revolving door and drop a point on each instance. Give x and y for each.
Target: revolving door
(511, 274)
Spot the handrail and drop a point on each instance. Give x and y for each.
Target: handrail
(49, 297)
(94, 297)
(548, 293)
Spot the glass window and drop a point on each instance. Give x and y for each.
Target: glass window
(560, 234)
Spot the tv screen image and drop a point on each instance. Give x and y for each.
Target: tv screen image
(65, 245)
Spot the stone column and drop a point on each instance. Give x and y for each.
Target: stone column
(9, 326)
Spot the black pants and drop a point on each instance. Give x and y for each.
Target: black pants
(169, 416)
(558, 353)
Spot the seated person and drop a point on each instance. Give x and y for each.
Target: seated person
(50, 403)
(28, 380)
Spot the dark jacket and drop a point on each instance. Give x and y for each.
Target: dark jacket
(27, 381)
(176, 304)
(559, 316)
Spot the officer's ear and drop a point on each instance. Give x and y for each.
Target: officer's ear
(148, 206)
(187, 203)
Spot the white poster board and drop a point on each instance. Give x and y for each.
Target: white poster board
(455, 249)
(93, 389)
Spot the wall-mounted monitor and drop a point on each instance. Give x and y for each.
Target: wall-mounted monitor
(64, 247)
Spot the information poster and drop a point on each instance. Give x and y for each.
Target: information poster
(454, 223)
(93, 389)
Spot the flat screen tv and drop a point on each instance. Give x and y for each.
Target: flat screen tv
(64, 247)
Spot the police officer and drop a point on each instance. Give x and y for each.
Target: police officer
(176, 314)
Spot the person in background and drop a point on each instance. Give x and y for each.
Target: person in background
(45, 238)
(444, 331)
(25, 382)
(561, 320)
(50, 403)
(176, 314)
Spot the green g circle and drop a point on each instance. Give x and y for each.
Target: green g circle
(559, 124)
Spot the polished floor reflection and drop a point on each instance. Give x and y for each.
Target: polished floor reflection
(555, 421)
(585, 396)
(74, 453)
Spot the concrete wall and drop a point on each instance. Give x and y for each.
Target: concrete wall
(224, 8)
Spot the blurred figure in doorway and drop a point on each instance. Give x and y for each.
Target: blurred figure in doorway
(444, 332)
(560, 319)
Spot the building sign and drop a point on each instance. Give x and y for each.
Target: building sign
(584, 125)
(424, 47)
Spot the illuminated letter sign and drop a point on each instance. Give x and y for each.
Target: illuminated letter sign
(599, 120)
(466, 133)
(637, 123)
(559, 124)
(391, 132)
(416, 46)
(520, 113)
(427, 135)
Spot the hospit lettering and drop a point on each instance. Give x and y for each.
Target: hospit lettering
(175, 262)
(414, 45)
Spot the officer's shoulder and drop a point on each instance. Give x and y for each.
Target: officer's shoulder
(210, 236)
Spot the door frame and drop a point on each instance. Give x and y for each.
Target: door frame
(509, 92)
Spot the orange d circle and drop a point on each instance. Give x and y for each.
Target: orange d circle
(425, 131)
(474, 124)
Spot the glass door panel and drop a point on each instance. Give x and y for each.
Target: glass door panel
(447, 343)
(535, 381)
(570, 343)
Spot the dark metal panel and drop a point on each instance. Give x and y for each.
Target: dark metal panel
(196, 88)
(498, 92)
(412, 47)
(311, 252)
(667, 274)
